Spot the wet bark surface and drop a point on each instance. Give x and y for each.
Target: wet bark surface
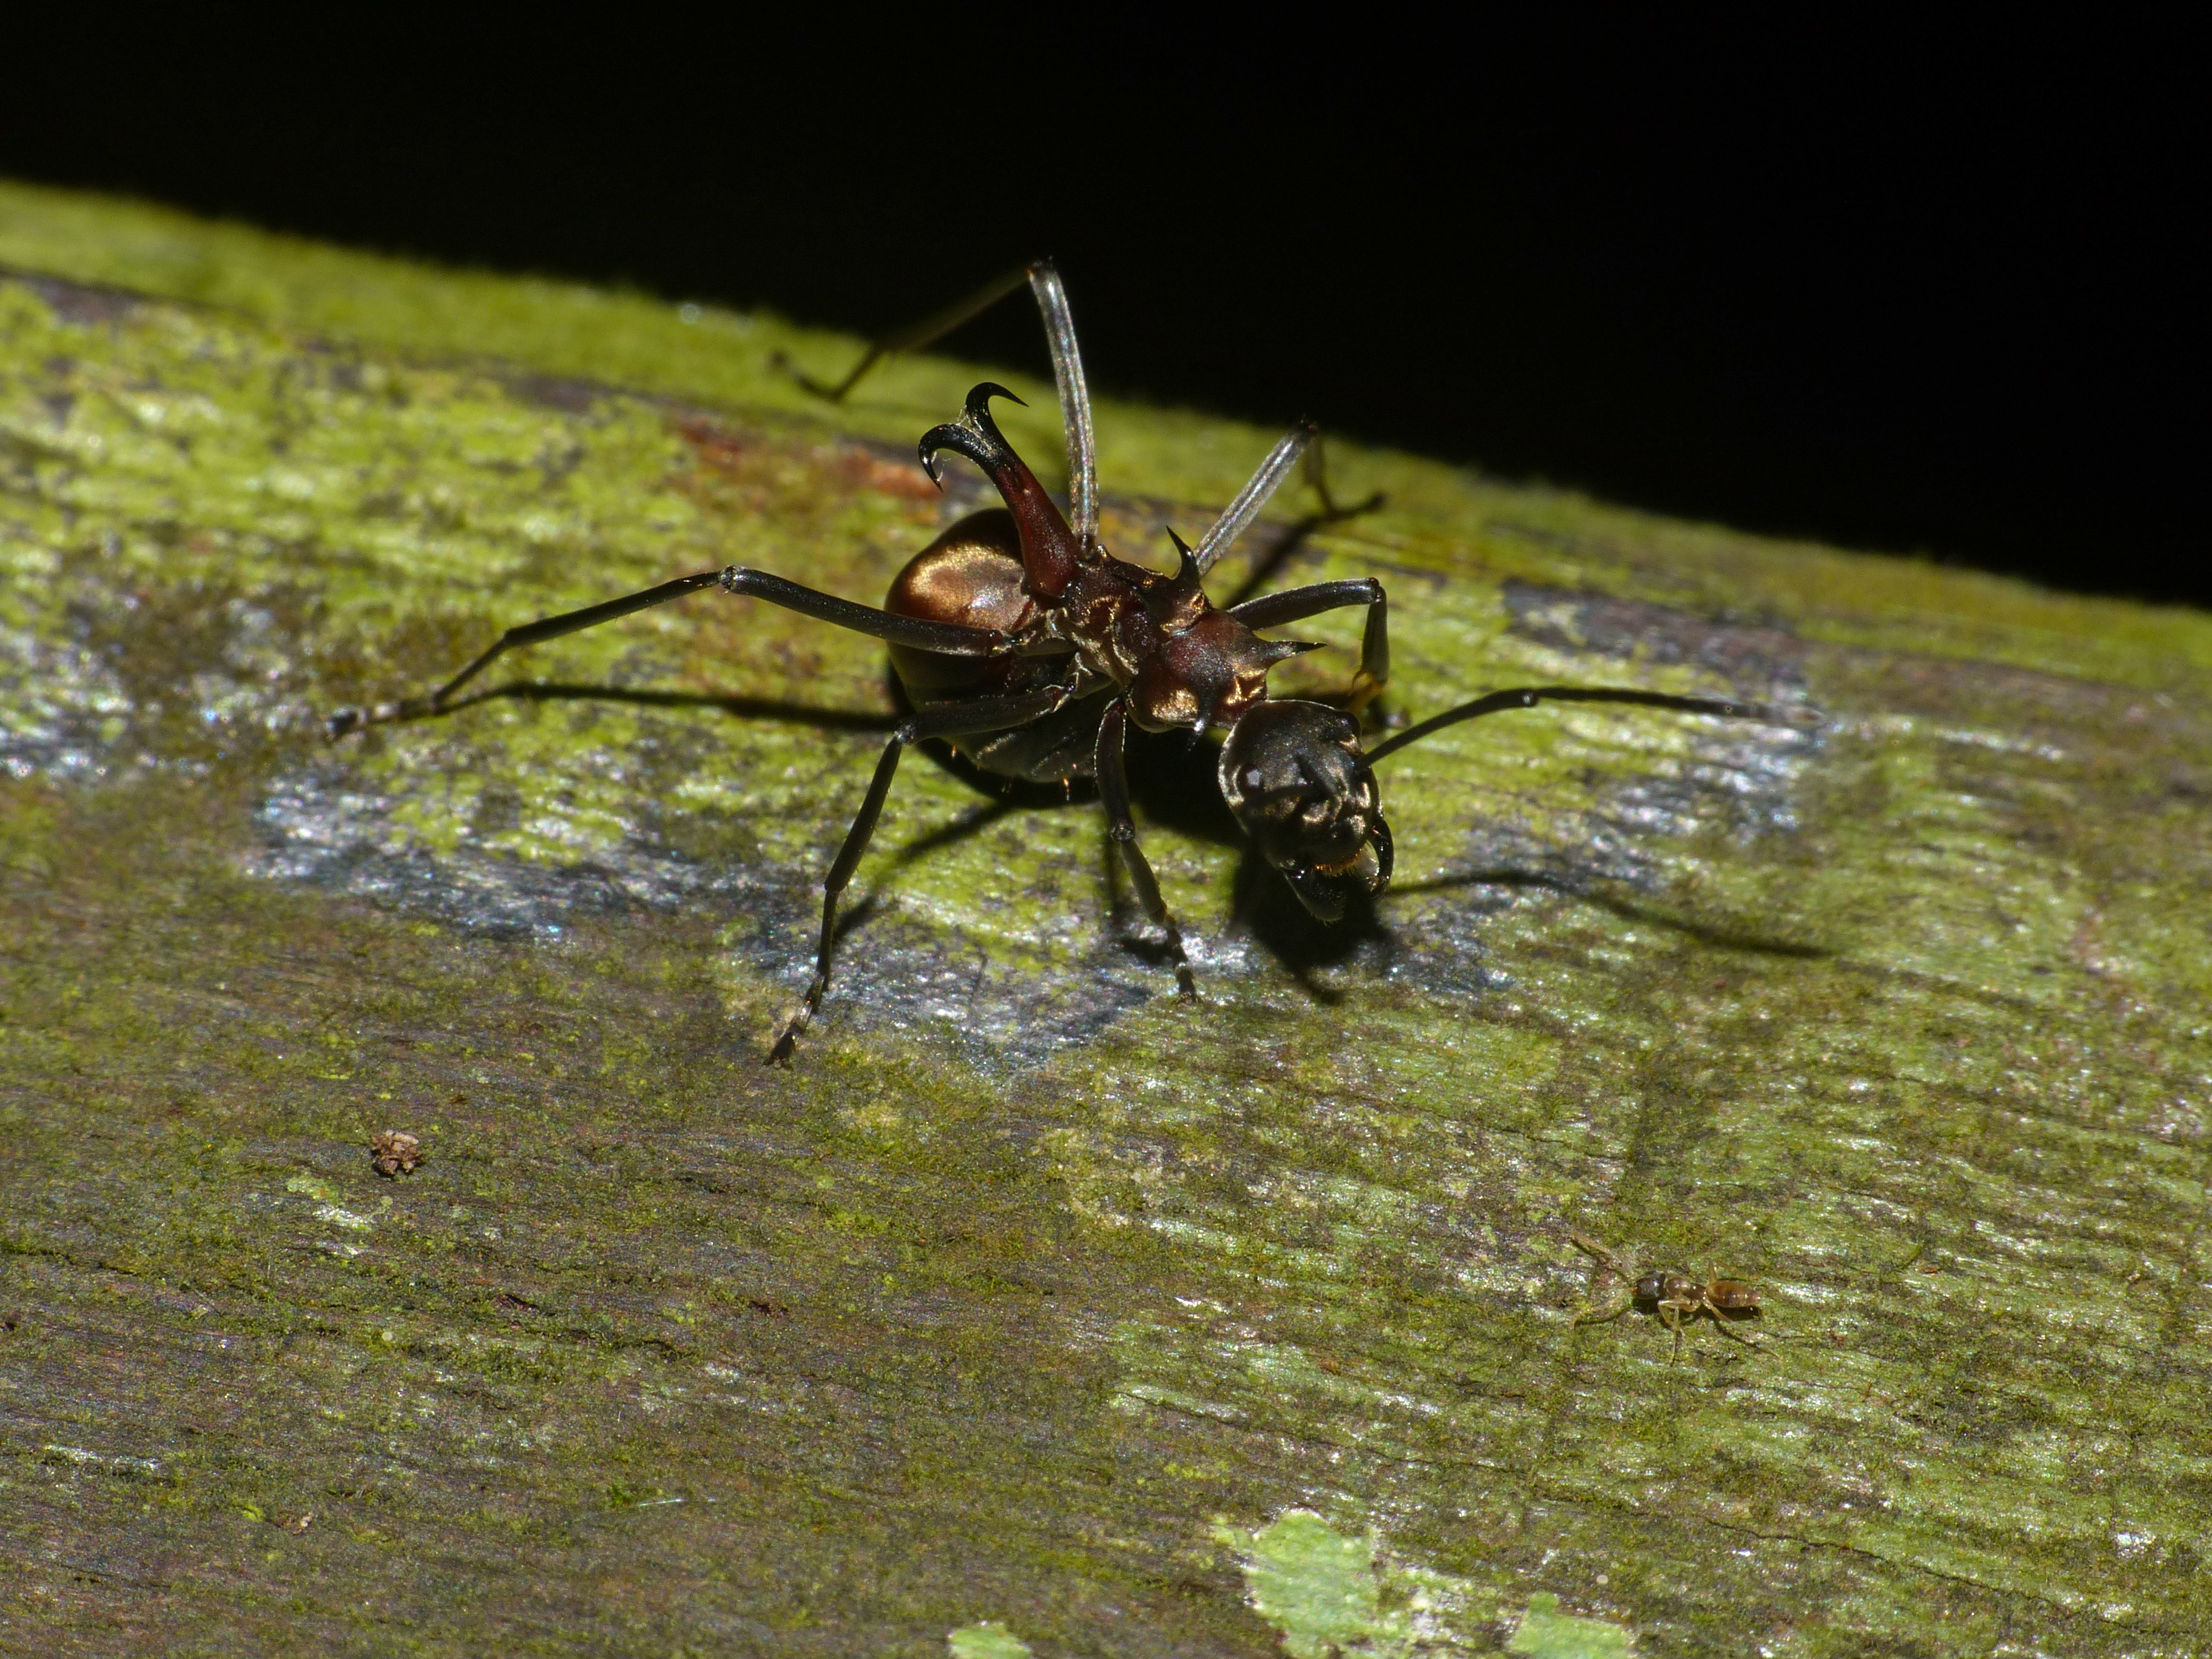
(1030, 1295)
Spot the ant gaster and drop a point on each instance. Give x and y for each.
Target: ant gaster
(1676, 1297)
(1026, 647)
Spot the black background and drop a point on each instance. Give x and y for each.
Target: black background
(1890, 284)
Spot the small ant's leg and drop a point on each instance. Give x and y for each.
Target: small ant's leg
(1114, 791)
(1608, 1263)
(945, 721)
(1295, 603)
(1589, 1246)
(914, 336)
(1589, 1316)
(955, 639)
(1727, 1325)
(1529, 695)
(1670, 1316)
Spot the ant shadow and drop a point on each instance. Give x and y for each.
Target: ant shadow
(758, 709)
(1591, 890)
(1173, 780)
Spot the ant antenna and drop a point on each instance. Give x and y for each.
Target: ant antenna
(1264, 482)
(1074, 403)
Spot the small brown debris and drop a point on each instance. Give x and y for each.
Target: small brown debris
(394, 1150)
(769, 1305)
(301, 1522)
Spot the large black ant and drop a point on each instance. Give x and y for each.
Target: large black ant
(1030, 649)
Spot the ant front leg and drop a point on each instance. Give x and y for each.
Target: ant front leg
(957, 720)
(1589, 1316)
(1297, 603)
(1608, 1263)
(1122, 825)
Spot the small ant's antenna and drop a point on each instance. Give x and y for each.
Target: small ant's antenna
(1264, 482)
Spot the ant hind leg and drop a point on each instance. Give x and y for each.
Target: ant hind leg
(1727, 1325)
(1043, 277)
(954, 638)
(913, 337)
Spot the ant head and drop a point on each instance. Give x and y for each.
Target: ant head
(1293, 775)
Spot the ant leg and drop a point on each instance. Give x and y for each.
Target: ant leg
(1608, 1263)
(914, 336)
(1529, 695)
(1297, 603)
(1044, 279)
(1584, 1242)
(955, 639)
(1316, 471)
(1589, 1316)
(1114, 791)
(1728, 1325)
(1670, 1316)
(957, 720)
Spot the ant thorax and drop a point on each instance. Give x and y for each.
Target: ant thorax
(1183, 662)
(1667, 1285)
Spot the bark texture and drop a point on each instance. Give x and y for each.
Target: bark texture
(1032, 1310)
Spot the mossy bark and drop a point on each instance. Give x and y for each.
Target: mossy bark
(1031, 1295)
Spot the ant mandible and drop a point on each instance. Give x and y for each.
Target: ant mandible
(1675, 1296)
(1030, 649)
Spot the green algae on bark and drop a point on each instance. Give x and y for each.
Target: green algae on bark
(1030, 1300)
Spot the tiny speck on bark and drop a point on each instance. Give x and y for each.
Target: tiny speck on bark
(394, 1151)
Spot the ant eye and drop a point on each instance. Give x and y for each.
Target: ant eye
(1254, 777)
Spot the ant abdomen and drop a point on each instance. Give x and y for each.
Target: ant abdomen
(1732, 1295)
(971, 574)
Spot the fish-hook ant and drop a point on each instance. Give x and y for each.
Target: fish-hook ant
(1675, 1296)
(1026, 647)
